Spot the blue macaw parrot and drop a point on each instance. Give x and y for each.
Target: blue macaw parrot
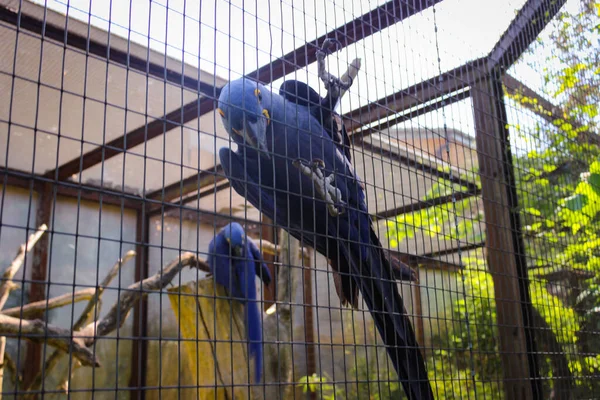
(235, 261)
(323, 205)
(323, 109)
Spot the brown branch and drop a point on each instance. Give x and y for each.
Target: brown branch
(40, 332)
(7, 284)
(118, 314)
(83, 319)
(563, 274)
(52, 361)
(270, 249)
(12, 367)
(36, 309)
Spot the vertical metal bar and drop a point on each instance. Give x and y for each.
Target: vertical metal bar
(39, 276)
(139, 355)
(506, 249)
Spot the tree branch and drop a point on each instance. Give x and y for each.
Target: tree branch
(38, 331)
(118, 314)
(36, 309)
(83, 318)
(7, 284)
(51, 362)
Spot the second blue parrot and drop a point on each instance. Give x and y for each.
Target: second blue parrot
(235, 261)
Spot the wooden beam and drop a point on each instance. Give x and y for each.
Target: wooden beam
(531, 19)
(91, 47)
(423, 163)
(364, 26)
(445, 252)
(417, 261)
(71, 189)
(155, 128)
(405, 115)
(195, 183)
(423, 204)
(506, 250)
(352, 32)
(545, 109)
(413, 96)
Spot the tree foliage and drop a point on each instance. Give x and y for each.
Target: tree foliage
(558, 183)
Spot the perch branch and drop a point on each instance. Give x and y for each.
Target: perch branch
(36, 309)
(40, 332)
(12, 367)
(269, 248)
(51, 362)
(7, 284)
(85, 315)
(118, 313)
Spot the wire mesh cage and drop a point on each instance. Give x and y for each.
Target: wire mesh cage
(244, 200)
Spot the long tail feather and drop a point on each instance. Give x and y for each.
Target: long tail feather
(254, 330)
(380, 292)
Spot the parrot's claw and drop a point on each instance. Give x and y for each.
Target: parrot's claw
(333, 84)
(327, 44)
(324, 185)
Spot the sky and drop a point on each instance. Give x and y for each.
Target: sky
(232, 38)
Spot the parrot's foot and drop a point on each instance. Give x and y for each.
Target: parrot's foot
(333, 84)
(323, 184)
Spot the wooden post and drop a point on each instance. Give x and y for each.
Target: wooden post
(506, 250)
(268, 232)
(39, 275)
(418, 310)
(309, 324)
(139, 353)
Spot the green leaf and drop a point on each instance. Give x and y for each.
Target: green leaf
(594, 181)
(533, 211)
(576, 202)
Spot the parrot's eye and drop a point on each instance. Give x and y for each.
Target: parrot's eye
(258, 94)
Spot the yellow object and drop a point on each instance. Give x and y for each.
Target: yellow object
(214, 340)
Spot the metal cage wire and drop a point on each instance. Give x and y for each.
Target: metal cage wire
(471, 126)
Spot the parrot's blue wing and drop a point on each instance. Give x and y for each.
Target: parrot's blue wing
(261, 268)
(321, 108)
(242, 175)
(219, 261)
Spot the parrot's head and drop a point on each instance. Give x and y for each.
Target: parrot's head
(236, 237)
(243, 114)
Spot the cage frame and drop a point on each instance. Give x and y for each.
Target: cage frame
(484, 80)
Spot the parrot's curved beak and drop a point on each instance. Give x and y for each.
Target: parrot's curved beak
(238, 251)
(256, 136)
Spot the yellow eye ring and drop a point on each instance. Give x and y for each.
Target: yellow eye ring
(266, 114)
